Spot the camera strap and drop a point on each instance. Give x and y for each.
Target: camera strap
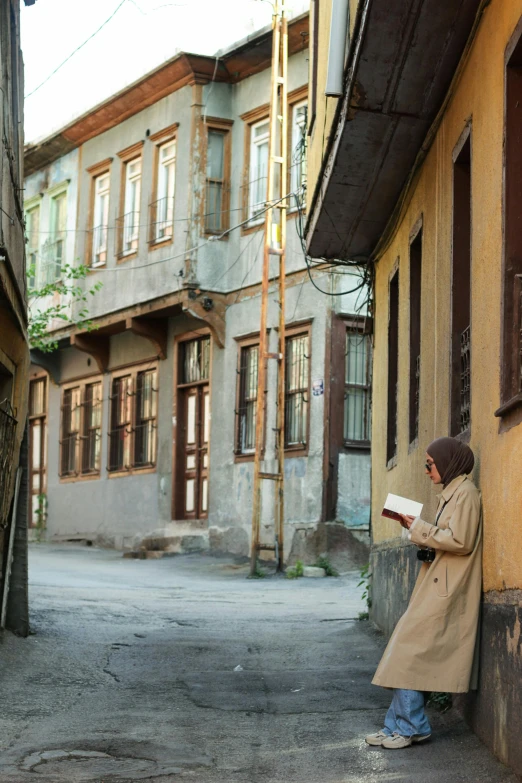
(440, 512)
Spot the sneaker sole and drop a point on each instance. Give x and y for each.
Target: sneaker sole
(421, 739)
(374, 743)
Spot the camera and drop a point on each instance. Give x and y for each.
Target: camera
(426, 555)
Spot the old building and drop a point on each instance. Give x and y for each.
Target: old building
(421, 176)
(160, 191)
(14, 352)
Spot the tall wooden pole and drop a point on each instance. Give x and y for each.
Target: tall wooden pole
(274, 246)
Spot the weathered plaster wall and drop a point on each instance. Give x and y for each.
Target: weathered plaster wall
(479, 97)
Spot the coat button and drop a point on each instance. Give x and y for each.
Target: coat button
(425, 535)
(435, 580)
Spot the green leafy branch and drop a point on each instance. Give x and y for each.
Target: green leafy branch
(71, 294)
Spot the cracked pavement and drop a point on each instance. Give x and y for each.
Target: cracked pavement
(129, 675)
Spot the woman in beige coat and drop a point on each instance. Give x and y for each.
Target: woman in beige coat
(433, 645)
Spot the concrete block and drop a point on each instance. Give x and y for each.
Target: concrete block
(313, 572)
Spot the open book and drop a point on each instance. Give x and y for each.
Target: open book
(395, 505)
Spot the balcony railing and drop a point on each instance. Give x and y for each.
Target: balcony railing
(161, 220)
(52, 259)
(128, 229)
(99, 241)
(465, 379)
(7, 441)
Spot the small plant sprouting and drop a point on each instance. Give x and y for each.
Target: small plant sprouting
(41, 516)
(296, 571)
(323, 562)
(258, 573)
(441, 701)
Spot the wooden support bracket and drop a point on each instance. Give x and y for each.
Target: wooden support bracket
(97, 346)
(153, 329)
(211, 310)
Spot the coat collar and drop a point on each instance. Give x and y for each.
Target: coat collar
(452, 487)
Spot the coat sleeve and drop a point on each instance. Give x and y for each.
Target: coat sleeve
(461, 534)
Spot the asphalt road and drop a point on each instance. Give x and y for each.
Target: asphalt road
(131, 674)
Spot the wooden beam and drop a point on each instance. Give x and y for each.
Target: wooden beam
(210, 309)
(97, 346)
(153, 329)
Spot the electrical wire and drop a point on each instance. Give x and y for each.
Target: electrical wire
(76, 50)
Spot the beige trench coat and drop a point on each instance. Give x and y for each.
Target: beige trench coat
(433, 645)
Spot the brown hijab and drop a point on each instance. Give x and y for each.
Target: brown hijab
(451, 457)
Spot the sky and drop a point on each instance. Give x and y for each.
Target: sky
(137, 35)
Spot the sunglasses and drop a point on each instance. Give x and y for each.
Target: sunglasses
(428, 466)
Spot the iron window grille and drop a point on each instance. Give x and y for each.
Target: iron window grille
(357, 389)
(465, 379)
(247, 402)
(161, 220)
(133, 421)
(71, 415)
(91, 429)
(145, 420)
(8, 425)
(297, 383)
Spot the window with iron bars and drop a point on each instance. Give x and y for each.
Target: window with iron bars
(133, 420)
(297, 390)
(7, 444)
(357, 379)
(247, 399)
(80, 445)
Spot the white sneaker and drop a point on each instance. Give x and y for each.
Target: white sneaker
(377, 738)
(398, 741)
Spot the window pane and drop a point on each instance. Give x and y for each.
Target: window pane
(215, 155)
(356, 359)
(248, 398)
(214, 206)
(296, 382)
(37, 397)
(196, 360)
(355, 414)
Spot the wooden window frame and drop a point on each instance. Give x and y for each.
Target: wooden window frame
(291, 331)
(358, 325)
(79, 474)
(294, 99)
(30, 206)
(461, 270)
(159, 139)
(225, 127)
(245, 341)
(416, 252)
(392, 429)
(132, 371)
(43, 416)
(128, 155)
(97, 170)
(178, 386)
(250, 119)
(510, 410)
(314, 18)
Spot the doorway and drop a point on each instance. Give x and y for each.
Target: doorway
(37, 452)
(193, 429)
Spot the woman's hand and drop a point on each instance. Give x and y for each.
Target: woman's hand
(406, 520)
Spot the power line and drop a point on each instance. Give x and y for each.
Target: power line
(76, 50)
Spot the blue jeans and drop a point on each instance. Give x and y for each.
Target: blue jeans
(406, 715)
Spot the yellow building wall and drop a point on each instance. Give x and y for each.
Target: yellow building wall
(325, 107)
(479, 97)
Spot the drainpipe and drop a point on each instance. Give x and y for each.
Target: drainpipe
(337, 48)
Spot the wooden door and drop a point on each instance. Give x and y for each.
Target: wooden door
(194, 467)
(37, 451)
